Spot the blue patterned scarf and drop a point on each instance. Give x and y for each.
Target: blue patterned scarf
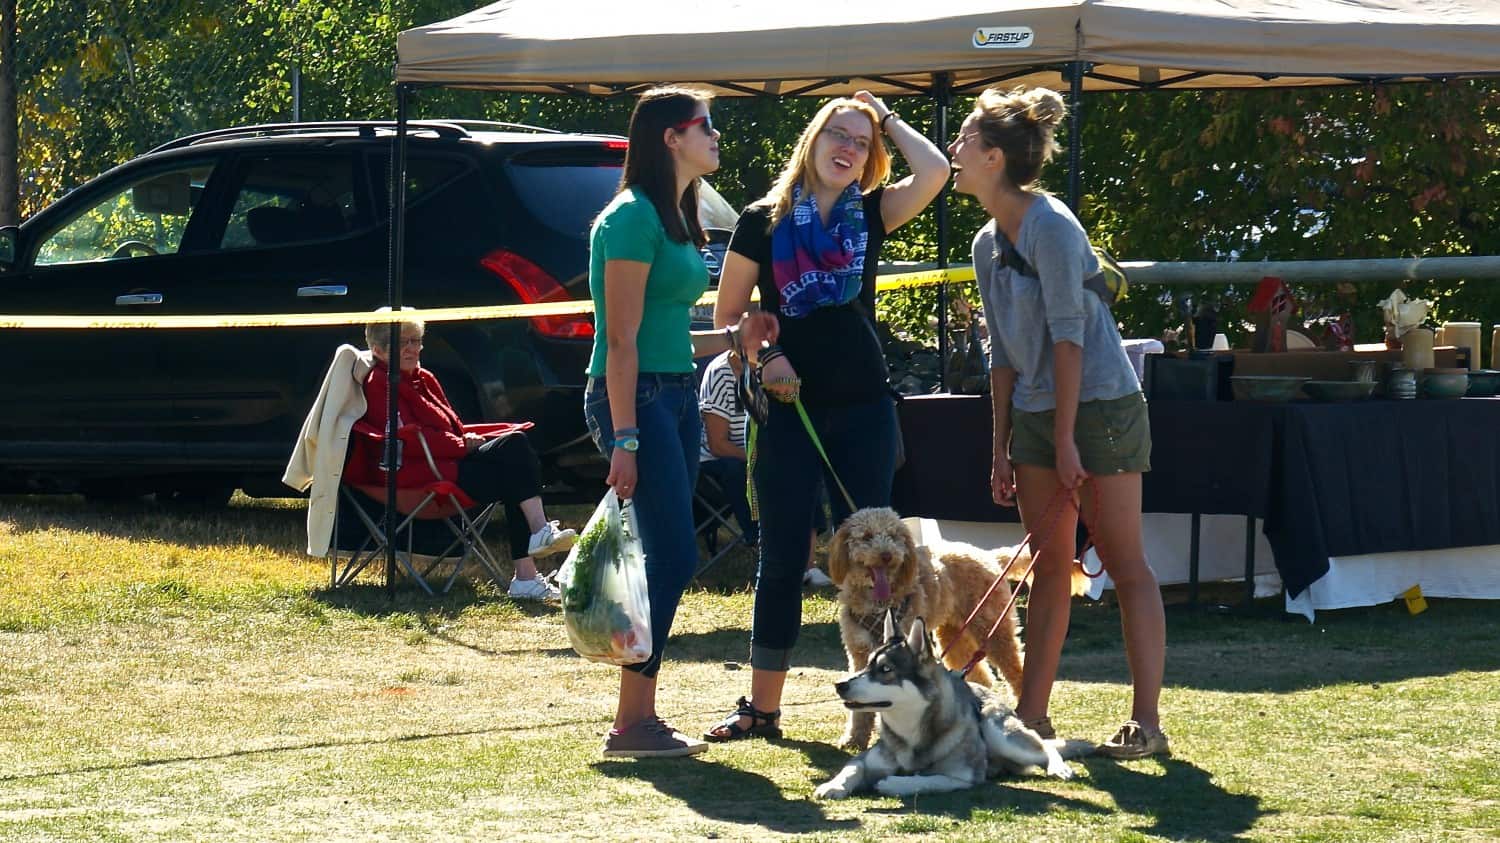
(816, 265)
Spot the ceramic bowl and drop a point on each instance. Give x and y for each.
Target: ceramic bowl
(1484, 382)
(1266, 387)
(1445, 383)
(1338, 390)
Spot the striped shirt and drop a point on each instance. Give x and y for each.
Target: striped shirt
(717, 395)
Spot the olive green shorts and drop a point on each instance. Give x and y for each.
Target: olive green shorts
(1114, 436)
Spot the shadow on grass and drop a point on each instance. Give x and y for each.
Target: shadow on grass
(818, 646)
(1183, 804)
(1259, 653)
(269, 523)
(727, 794)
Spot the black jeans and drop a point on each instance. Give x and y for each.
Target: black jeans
(504, 469)
(861, 443)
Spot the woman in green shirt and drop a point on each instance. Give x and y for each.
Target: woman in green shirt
(645, 273)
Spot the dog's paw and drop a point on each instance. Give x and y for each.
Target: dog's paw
(831, 790)
(1059, 769)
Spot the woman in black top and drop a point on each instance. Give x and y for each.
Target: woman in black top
(812, 246)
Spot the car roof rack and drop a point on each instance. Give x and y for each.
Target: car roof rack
(448, 129)
(491, 125)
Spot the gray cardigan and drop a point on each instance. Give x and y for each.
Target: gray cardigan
(1026, 316)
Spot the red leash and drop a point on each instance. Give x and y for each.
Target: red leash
(1049, 518)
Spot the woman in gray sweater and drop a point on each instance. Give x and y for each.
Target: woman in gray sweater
(1069, 413)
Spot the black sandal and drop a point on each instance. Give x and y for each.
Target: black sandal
(763, 724)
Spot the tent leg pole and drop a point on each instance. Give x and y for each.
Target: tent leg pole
(1075, 132)
(941, 93)
(394, 279)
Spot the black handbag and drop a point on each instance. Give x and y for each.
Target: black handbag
(752, 394)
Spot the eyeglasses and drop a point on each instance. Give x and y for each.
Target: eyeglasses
(408, 342)
(703, 120)
(843, 138)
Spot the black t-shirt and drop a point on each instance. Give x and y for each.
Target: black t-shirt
(835, 350)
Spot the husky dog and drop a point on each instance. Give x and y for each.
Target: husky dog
(937, 732)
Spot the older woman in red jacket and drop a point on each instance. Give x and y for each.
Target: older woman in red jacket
(489, 467)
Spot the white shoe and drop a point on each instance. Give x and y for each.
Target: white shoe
(533, 589)
(550, 540)
(815, 578)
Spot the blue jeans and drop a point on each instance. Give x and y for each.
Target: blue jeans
(666, 411)
(789, 474)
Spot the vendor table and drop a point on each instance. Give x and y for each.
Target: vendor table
(1325, 479)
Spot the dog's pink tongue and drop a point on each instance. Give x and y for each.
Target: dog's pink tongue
(882, 585)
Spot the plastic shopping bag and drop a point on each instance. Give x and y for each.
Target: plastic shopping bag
(606, 608)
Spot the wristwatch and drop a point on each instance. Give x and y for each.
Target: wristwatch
(630, 444)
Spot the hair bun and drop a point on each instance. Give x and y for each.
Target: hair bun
(1044, 107)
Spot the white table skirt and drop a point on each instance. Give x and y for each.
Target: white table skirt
(1366, 580)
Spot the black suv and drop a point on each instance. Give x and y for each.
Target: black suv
(292, 219)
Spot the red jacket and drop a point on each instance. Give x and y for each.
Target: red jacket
(420, 405)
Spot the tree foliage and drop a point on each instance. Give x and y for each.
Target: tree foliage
(1378, 171)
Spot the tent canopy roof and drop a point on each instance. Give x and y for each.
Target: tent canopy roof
(824, 47)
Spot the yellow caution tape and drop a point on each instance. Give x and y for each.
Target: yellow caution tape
(439, 314)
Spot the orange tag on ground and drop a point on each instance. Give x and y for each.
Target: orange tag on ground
(1416, 604)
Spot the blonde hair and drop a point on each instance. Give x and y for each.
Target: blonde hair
(798, 167)
(1021, 124)
(378, 333)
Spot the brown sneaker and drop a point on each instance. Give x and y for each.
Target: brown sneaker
(650, 738)
(1135, 741)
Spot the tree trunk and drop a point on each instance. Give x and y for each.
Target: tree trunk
(10, 163)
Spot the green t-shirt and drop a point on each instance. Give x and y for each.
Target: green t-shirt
(630, 229)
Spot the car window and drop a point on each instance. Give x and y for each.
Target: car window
(147, 216)
(424, 175)
(566, 188)
(285, 199)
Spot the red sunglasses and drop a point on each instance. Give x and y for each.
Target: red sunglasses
(706, 121)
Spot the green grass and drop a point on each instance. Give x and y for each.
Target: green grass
(188, 676)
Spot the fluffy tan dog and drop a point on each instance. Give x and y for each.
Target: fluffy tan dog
(877, 565)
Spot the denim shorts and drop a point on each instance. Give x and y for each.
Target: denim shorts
(1113, 436)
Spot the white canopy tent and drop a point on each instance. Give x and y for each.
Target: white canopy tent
(783, 47)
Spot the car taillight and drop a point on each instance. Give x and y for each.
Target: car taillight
(533, 285)
(616, 144)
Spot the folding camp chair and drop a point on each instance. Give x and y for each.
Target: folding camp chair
(713, 512)
(425, 511)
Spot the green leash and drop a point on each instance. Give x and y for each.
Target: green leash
(817, 443)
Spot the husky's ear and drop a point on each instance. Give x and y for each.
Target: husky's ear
(890, 624)
(838, 556)
(916, 638)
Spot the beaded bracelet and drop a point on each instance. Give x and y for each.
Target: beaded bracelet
(888, 115)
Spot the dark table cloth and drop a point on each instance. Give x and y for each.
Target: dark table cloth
(1336, 479)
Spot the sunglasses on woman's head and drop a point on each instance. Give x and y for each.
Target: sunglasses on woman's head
(703, 120)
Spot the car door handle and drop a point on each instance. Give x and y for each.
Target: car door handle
(317, 290)
(138, 298)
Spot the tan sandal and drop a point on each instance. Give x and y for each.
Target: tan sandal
(1135, 741)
